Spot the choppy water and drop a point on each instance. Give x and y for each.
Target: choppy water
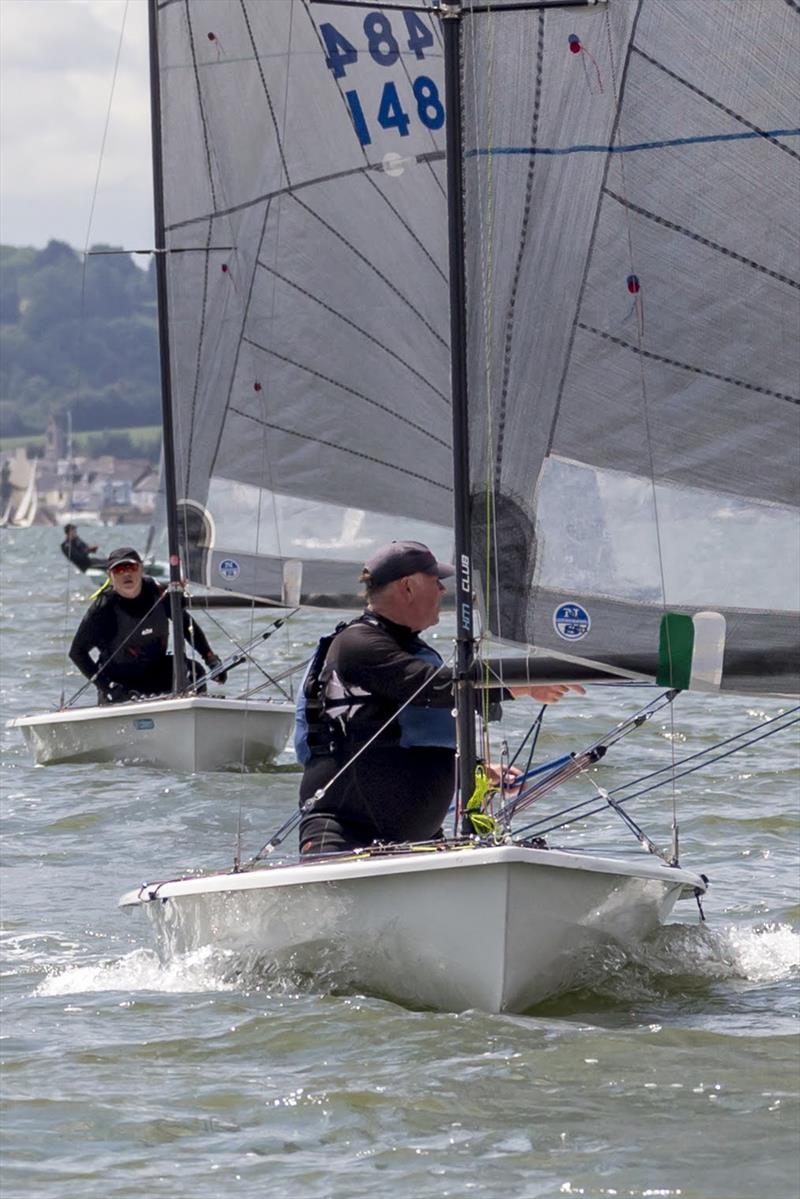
(674, 1073)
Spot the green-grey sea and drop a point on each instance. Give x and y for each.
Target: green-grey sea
(673, 1072)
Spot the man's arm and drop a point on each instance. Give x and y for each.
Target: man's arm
(85, 639)
(369, 657)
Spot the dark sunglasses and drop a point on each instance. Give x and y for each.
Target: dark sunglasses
(124, 568)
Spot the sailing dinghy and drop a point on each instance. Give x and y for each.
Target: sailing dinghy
(614, 291)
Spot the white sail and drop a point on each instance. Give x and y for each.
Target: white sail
(306, 234)
(634, 308)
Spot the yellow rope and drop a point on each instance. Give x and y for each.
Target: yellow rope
(482, 823)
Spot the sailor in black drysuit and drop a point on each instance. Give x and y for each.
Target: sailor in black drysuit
(401, 786)
(78, 552)
(128, 624)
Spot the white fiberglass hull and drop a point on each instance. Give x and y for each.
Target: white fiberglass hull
(497, 928)
(188, 734)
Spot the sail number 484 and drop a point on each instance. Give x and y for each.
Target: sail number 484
(384, 49)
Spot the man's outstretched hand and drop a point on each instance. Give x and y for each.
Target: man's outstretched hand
(547, 693)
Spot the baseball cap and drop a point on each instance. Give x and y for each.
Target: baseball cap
(125, 553)
(401, 558)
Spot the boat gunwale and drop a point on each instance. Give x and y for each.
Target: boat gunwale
(363, 867)
(184, 703)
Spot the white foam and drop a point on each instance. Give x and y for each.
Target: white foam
(766, 953)
(141, 970)
(758, 954)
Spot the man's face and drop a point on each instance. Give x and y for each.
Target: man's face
(425, 599)
(126, 579)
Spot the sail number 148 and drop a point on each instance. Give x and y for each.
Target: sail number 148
(384, 49)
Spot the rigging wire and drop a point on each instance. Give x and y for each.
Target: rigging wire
(255, 638)
(645, 409)
(582, 810)
(82, 329)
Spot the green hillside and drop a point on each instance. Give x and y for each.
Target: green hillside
(75, 341)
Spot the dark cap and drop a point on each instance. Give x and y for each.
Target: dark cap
(401, 558)
(126, 553)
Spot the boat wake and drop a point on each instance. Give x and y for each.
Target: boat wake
(679, 958)
(682, 958)
(141, 970)
(201, 970)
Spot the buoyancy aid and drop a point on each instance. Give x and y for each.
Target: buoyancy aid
(312, 733)
(140, 637)
(427, 726)
(323, 711)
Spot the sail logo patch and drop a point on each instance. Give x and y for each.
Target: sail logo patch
(229, 568)
(571, 622)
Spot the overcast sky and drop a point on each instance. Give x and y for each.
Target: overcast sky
(56, 73)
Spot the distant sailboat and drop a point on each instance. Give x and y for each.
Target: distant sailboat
(23, 499)
(623, 377)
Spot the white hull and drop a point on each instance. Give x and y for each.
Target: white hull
(497, 928)
(191, 734)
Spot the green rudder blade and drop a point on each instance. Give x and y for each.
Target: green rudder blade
(675, 650)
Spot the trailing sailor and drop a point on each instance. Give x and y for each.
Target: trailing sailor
(128, 626)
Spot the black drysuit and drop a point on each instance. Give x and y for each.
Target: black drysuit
(79, 554)
(401, 786)
(131, 637)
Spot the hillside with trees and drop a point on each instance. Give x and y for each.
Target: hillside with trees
(78, 342)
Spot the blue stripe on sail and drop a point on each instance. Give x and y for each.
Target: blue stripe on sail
(490, 151)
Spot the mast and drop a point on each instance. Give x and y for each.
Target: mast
(451, 14)
(168, 433)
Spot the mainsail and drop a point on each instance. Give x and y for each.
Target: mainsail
(306, 238)
(632, 247)
(632, 180)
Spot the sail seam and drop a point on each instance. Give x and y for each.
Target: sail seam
(677, 480)
(350, 390)
(266, 93)
(369, 336)
(402, 221)
(698, 237)
(523, 241)
(430, 156)
(371, 266)
(209, 168)
(765, 133)
(196, 73)
(198, 362)
(245, 313)
(666, 143)
(686, 366)
(341, 448)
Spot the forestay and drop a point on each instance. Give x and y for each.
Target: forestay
(308, 308)
(632, 183)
